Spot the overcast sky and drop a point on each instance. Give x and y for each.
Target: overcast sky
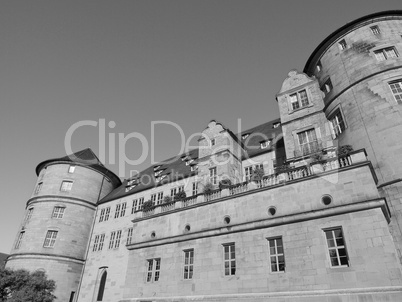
(133, 62)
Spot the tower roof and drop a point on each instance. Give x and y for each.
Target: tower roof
(85, 157)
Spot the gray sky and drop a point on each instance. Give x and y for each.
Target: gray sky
(133, 62)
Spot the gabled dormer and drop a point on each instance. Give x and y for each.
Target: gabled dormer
(220, 155)
(305, 127)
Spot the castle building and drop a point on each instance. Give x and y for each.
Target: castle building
(307, 207)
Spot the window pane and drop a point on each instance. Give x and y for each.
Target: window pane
(334, 262)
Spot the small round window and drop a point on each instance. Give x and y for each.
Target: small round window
(187, 228)
(226, 219)
(153, 235)
(272, 211)
(326, 200)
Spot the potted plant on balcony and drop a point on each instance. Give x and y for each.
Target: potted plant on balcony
(167, 199)
(180, 196)
(208, 188)
(148, 206)
(225, 184)
(344, 150)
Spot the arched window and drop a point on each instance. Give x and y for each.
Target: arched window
(102, 284)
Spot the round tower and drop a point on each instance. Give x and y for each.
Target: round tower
(59, 216)
(359, 68)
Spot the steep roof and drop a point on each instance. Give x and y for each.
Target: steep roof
(175, 168)
(86, 157)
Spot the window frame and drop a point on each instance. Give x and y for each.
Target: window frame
(339, 126)
(396, 94)
(188, 266)
(309, 143)
(66, 186)
(71, 169)
(195, 188)
(342, 44)
(29, 214)
(294, 98)
(58, 212)
(228, 269)
(336, 247)
(375, 30)
(50, 239)
(153, 270)
(19, 240)
(129, 235)
(384, 52)
(276, 255)
(38, 188)
(213, 176)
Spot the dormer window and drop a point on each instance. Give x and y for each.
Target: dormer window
(157, 173)
(189, 162)
(276, 125)
(130, 187)
(265, 144)
(213, 142)
(299, 99)
(194, 168)
(244, 136)
(156, 167)
(160, 178)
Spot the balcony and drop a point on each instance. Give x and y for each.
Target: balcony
(280, 178)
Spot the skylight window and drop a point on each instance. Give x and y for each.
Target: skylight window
(244, 136)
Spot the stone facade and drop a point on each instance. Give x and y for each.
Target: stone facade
(319, 226)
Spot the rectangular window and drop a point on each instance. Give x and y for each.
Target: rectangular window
(194, 168)
(107, 214)
(213, 142)
(123, 209)
(244, 136)
(66, 186)
(29, 214)
(327, 87)
(229, 259)
(58, 212)
(96, 242)
(153, 198)
(308, 142)
(19, 240)
(375, 30)
(319, 66)
(38, 188)
(101, 240)
(385, 53)
(117, 241)
(137, 205)
(129, 235)
(50, 239)
(248, 172)
(299, 99)
(276, 255)
(336, 247)
(212, 176)
(154, 267)
(160, 198)
(337, 123)
(188, 264)
(342, 44)
(195, 188)
(396, 88)
(102, 215)
(117, 212)
(71, 169)
(111, 241)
